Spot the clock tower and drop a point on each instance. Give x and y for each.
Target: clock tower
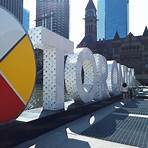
(91, 20)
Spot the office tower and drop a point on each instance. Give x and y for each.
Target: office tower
(54, 15)
(26, 15)
(113, 16)
(15, 7)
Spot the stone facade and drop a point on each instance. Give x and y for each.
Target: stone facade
(133, 52)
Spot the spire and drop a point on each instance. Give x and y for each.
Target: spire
(145, 33)
(90, 5)
(116, 37)
(91, 20)
(130, 35)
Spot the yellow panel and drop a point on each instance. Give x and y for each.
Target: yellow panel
(20, 69)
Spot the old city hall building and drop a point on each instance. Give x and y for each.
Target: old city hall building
(131, 50)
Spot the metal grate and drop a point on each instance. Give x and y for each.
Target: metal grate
(135, 107)
(123, 128)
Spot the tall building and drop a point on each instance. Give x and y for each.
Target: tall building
(91, 20)
(113, 16)
(90, 37)
(26, 15)
(54, 15)
(15, 7)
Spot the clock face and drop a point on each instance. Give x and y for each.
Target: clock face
(17, 67)
(90, 13)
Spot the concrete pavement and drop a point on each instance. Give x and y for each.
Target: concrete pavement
(78, 133)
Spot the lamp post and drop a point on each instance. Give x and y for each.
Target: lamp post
(51, 17)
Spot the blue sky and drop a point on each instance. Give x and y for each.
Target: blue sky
(138, 16)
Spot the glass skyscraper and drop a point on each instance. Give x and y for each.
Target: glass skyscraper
(54, 15)
(15, 7)
(113, 16)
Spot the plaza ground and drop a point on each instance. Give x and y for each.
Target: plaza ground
(118, 125)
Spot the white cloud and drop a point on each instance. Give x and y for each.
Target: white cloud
(138, 16)
(31, 6)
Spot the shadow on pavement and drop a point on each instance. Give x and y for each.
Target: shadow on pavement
(49, 141)
(132, 104)
(106, 127)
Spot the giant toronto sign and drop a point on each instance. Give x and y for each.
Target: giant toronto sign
(87, 76)
(101, 78)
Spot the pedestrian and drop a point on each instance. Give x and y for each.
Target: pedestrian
(131, 93)
(125, 91)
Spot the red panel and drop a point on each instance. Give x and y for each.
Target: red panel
(10, 104)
